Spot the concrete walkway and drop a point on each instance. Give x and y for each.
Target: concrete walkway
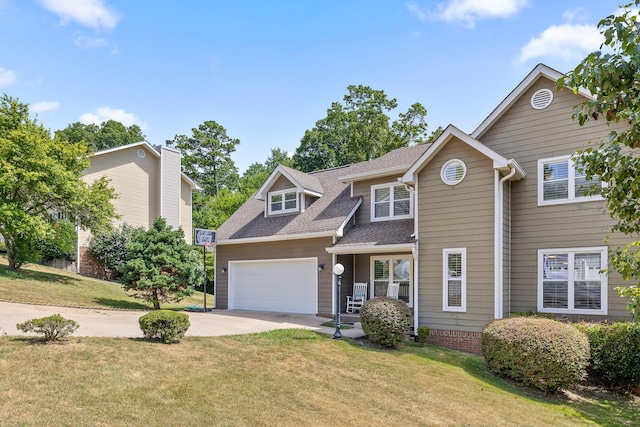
(117, 323)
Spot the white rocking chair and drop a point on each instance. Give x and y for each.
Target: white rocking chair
(393, 290)
(359, 297)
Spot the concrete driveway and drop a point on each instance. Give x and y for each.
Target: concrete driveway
(117, 323)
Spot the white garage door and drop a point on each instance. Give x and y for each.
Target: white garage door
(288, 286)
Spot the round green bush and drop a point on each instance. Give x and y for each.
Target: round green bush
(169, 326)
(540, 353)
(615, 353)
(386, 321)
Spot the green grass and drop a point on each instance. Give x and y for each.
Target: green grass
(46, 285)
(284, 378)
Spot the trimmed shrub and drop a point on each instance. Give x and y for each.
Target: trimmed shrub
(615, 353)
(540, 353)
(166, 325)
(54, 327)
(423, 334)
(386, 321)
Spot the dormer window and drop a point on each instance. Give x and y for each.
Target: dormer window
(390, 201)
(283, 201)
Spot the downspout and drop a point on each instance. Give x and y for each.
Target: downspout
(414, 253)
(499, 297)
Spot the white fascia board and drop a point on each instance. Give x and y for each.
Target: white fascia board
(276, 238)
(371, 249)
(340, 231)
(540, 70)
(377, 173)
(124, 147)
(449, 133)
(192, 183)
(311, 192)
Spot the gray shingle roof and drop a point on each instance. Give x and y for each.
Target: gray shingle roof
(326, 213)
(378, 233)
(306, 180)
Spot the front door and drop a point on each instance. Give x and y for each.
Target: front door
(386, 269)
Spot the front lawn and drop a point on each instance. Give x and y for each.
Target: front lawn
(284, 378)
(46, 285)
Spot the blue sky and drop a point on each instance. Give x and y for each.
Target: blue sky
(268, 70)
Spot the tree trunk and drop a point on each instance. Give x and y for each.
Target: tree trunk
(154, 298)
(12, 252)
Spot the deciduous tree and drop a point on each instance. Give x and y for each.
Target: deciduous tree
(612, 75)
(40, 176)
(359, 129)
(108, 134)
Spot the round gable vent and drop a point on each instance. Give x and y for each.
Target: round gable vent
(453, 172)
(141, 153)
(541, 99)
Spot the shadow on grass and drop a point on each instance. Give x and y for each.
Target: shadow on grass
(599, 406)
(121, 304)
(37, 276)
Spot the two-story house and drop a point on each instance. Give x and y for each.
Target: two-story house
(473, 226)
(149, 183)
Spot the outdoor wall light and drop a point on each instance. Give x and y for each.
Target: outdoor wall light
(320, 267)
(223, 269)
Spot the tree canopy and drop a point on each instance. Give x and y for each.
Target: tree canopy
(206, 157)
(359, 129)
(40, 177)
(612, 75)
(108, 134)
(159, 265)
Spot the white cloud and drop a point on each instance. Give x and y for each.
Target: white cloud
(89, 13)
(417, 10)
(467, 12)
(567, 42)
(90, 42)
(103, 114)
(41, 107)
(7, 77)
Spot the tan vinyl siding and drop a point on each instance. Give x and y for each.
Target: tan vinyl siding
(460, 216)
(282, 183)
(170, 186)
(135, 181)
(185, 210)
(277, 250)
(363, 188)
(527, 135)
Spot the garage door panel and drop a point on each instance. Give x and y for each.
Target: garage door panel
(282, 285)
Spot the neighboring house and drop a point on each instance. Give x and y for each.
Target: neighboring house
(149, 183)
(472, 227)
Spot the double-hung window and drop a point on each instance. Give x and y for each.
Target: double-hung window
(283, 201)
(570, 280)
(454, 284)
(390, 201)
(559, 181)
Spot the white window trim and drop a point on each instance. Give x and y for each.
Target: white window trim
(571, 183)
(391, 216)
(570, 302)
(445, 279)
(391, 258)
(283, 210)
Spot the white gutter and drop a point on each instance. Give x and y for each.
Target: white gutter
(371, 249)
(499, 243)
(274, 238)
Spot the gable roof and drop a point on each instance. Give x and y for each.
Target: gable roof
(451, 132)
(538, 72)
(153, 150)
(326, 216)
(304, 182)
